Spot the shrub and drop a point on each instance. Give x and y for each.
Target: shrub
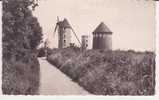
(41, 52)
(109, 72)
(20, 77)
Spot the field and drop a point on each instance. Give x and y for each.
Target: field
(108, 72)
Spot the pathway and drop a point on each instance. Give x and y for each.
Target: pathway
(54, 82)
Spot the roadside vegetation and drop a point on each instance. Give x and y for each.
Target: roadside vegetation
(20, 37)
(108, 72)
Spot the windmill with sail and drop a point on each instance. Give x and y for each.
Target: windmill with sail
(64, 30)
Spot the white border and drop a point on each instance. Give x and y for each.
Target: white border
(156, 97)
(157, 48)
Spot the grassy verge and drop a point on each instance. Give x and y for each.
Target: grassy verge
(108, 72)
(20, 75)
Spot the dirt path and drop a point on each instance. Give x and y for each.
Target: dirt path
(54, 82)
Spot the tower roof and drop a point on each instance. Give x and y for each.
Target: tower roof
(102, 28)
(66, 23)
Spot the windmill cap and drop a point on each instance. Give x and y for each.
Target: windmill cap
(102, 28)
(66, 24)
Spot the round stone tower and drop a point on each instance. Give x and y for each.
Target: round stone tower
(102, 37)
(64, 36)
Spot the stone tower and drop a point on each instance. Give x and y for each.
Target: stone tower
(64, 34)
(84, 42)
(102, 37)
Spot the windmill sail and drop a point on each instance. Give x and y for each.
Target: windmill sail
(55, 28)
(76, 35)
(57, 25)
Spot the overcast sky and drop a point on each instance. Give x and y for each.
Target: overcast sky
(131, 21)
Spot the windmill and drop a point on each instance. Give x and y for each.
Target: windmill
(57, 25)
(64, 31)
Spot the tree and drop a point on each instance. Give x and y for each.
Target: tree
(21, 35)
(19, 25)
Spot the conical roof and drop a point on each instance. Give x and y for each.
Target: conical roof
(66, 24)
(102, 28)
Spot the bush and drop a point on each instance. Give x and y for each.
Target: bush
(41, 52)
(21, 76)
(109, 72)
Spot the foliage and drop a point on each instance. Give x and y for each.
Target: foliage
(20, 28)
(21, 35)
(108, 72)
(41, 52)
(21, 77)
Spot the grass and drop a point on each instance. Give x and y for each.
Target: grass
(108, 72)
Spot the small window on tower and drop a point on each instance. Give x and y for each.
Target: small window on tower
(64, 41)
(64, 36)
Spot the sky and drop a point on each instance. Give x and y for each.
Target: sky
(131, 21)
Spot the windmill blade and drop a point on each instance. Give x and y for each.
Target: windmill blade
(58, 19)
(56, 25)
(55, 29)
(76, 36)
